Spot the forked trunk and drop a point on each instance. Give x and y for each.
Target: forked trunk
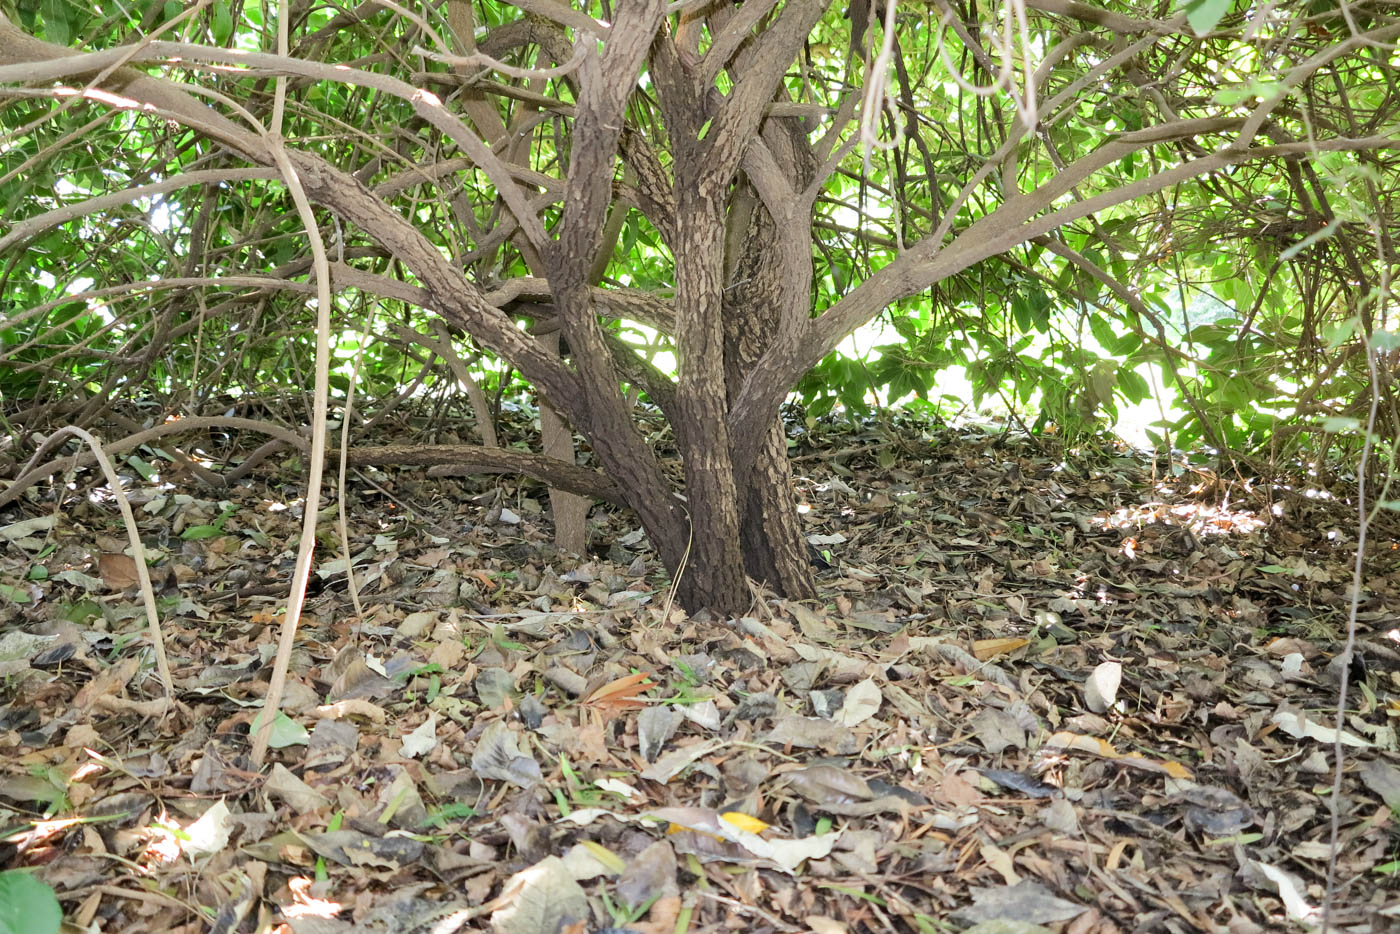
(769, 546)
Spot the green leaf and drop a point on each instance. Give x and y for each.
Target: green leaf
(1103, 332)
(1340, 423)
(1133, 386)
(1204, 14)
(27, 906)
(222, 26)
(1385, 340)
(143, 467)
(81, 612)
(196, 532)
(14, 594)
(58, 25)
(285, 731)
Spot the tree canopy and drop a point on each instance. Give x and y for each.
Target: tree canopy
(1051, 194)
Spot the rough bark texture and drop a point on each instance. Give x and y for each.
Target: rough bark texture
(772, 537)
(716, 577)
(771, 532)
(760, 287)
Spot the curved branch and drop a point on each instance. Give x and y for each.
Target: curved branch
(452, 295)
(33, 475)
(58, 63)
(744, 107)
(476, 459)
(1098, 16)
(480, 60)
(32, 226)
(929, 261)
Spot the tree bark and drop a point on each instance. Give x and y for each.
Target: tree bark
(569, 509)
(760, 287)
(771, 534)
(715, 572)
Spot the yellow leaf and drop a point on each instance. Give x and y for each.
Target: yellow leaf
(614, 863)
(744, 821)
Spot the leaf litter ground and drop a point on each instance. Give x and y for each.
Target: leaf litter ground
(1043, 693)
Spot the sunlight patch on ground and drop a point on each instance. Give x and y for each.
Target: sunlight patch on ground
(1199, 518)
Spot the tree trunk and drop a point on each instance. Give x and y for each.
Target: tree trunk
(714, 574)
(771, 535)
(569, 509)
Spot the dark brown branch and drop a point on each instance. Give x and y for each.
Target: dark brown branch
(1097, 16)
(737, 122)
(474, 458)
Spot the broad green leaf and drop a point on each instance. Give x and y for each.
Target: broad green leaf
(15, 594)
(58, 23)
(1204, 14)
(27, 906)
(142, 467)
(1340, 423)
(222, 24)
(285, 731)
(1385, 340)
(82, 611)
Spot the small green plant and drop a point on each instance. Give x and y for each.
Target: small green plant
(431, 668)
(577, 791)
(623, 914)
(215, 528)
(449, 812)
(56, 802)
(502, 640)
(688, 689)
(27, 906)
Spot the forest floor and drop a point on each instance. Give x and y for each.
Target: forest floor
(1042, 692)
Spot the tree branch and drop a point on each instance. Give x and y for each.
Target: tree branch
(451, 294)
(737, 121)
(1098, 16)
(32, 226)
(926, 263)
(33, 475)
(474, 458)
(425, 104)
